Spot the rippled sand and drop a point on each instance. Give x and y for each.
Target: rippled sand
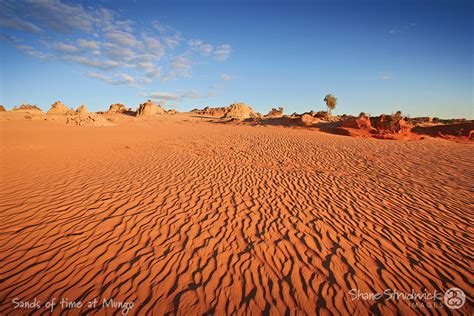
(182, 215)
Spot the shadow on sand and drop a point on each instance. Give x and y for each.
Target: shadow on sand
(291, 122)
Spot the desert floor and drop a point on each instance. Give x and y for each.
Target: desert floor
(180, 214)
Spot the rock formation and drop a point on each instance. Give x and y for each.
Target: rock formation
(360, 122)
(384, 127)
(394, 123)
(148, 108)
(59, 108)
(240, 111)
(207, 111)
(275, 113)
(117, 108)
(27, 108)
(82, 110)
(321, 114)
(308, 120)
(2, 109)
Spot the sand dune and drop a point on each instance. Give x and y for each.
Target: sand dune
(181, 215)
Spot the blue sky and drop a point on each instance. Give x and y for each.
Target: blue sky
(375, 56)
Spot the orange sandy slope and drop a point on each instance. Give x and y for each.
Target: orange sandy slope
(181, 215)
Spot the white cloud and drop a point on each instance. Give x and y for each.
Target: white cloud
(117, 79)
(123, 38)
(7, 38)
(164, 96)
(59, 16)
(200, 46)
(32, 52)
(171, 37)
(87, 44)
(127, 78)
(65, 47)
(222, 52)
(116, 52)
(173, 41)
(24, 47)
(106, 64)
(105, 41)
(401, 29)
(147, 66)
(190, 94)
(162, 28)
(155, 73)
(19, 24)
(385, 76)
(181, 67)
(176, 96)
(151, 70)
(153, 46)
(181, 62)
(226, 77)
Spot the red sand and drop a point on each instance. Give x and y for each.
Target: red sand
(182, 215)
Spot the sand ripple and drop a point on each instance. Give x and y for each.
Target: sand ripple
(199, 218)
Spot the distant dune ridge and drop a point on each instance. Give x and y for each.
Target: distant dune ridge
(190, 215)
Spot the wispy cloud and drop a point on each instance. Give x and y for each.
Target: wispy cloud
(65, 47)
(117, 79)
(180, 67)
(177, 96)
(19, 24)
(198, 45)
(33, 52)
(162, 28)
(226, 77)
(385, 76)
(106, 42)
(88, 44)
(123, 39)
(7, 38)
(401, 29)
(100, 64)
(222, 52)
